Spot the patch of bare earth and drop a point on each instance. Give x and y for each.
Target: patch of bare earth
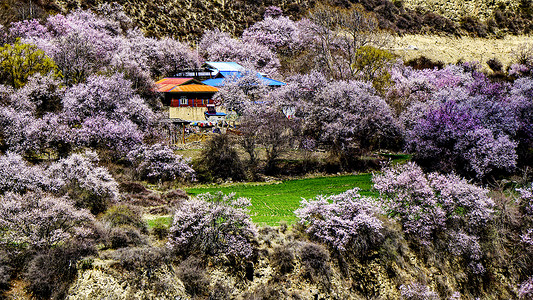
(452, 49)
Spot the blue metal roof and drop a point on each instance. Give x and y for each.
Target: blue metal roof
(216, 82)
(233, 69)
(225, 66)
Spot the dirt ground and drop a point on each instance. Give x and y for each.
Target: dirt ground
(451, 49)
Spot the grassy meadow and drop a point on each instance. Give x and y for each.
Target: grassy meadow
(276, 201)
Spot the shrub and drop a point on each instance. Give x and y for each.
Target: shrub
(220, 159)
(141, 260)
(526, 199)
(160, 230)
(132, 188)
(220, 291)
(495, 65)
(51, 272)
(26, 178)
(6, 269)
(431, 205)
(192, 273)
(347, 221)
(423, 62)
(158, 163)
(125, 236)
(282, 259)
(125, 215)
(214, 225)
(314, 259)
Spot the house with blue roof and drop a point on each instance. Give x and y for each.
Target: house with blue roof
(221, 71)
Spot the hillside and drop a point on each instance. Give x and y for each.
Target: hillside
(188, 19)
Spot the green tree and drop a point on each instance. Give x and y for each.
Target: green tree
(19, 61)
(371, 64)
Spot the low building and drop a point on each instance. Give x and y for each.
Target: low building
(186, 98)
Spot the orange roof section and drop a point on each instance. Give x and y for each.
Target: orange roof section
(194, 88)
(174, 81)
(181, 85)
(165, 87)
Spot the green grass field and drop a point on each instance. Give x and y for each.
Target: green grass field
(272, 203)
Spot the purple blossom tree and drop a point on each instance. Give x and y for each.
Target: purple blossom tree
(279, 33)
(158, 162)
(213, 224)
(119, 137)
(37, 221)
(18, 176)
(242, 90)
(350, 118)
(265, 125)
(220, 46)
(110, 97)
(81, 179)
(346, 222)
(451, 137)
(431, 205)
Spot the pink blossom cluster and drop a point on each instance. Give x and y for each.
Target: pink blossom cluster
(213, 224)
(346, 222)
(158, 163)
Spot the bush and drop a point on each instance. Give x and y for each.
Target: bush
(192, 273)
(282, 259)
(220, 160)
(525, 291)
(423, 62)
(495, 65)
(51, 272)
(220, 291)
(160, 230)
(314, 259)
(37, 221)
(145, 259)
(437, 207)
(213, 225)
(125, 215)
(346, 222)
(125, 236)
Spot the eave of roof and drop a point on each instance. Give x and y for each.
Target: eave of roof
(193, 88)
(176, 81)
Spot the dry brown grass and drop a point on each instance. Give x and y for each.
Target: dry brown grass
(452, 49)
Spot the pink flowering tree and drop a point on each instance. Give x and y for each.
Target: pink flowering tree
(279, 33)
(347, 222)
(213, 224)
(432, 206)
(81, 179)
(157, 163)
(350, 118)
(18, 176)
(220, 46)
(37, 221)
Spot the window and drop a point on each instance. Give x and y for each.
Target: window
(184, 101)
